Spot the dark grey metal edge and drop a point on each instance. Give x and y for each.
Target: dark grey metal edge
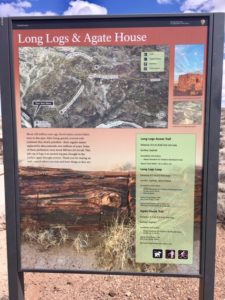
(103, 21)
(15, 277)
(110, 17)
(15, 142)
(206, 144)
(93, 272)
(214, 83)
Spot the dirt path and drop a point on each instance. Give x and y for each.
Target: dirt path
(3, 262)
(93, 287)
(2, 190)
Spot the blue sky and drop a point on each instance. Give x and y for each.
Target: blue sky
(139, 6)
(60, 7)
(188, 59)
(112, 6)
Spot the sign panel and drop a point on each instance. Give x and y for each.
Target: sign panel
(110, 127)
(165, 183)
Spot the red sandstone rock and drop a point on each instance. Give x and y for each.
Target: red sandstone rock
(189, 84)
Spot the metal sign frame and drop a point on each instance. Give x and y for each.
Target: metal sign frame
(211, 146)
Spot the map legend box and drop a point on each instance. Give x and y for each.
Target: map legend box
(153, 61)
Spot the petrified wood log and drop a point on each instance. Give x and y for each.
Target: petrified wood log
(80, 200)
(76, 199)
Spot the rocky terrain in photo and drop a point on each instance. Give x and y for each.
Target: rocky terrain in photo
(187, 112)
(89, 87)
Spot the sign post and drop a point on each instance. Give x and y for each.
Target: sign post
(210, 192)
(111, 125)
(15, 276)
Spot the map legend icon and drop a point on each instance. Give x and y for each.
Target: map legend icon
(170, 254)
(182, 254)
(157, 253)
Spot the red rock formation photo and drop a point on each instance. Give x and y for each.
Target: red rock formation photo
(190, 84)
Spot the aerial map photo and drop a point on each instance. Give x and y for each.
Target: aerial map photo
(94, 87)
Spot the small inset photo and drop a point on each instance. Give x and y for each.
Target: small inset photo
(187, 113)
(189, 68)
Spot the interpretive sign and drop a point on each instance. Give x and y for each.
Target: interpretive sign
(110, 123)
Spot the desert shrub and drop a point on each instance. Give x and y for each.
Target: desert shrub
(222, 154)
(221, 187)
(47, 238)
(62, 234)
(222, 144)
(80, 242)
(117, 249)
(222, 177)
(29, 235)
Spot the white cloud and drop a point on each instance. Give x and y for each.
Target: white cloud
(24, 4)
(81, 7)
(78, 7)
(207, 6)
(165, 1)
(18, 8)
(203, 5)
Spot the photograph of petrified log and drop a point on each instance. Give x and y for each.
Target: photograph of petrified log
(84, 220)
(79, 200)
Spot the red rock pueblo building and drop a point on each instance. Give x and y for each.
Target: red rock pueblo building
(190, 84)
